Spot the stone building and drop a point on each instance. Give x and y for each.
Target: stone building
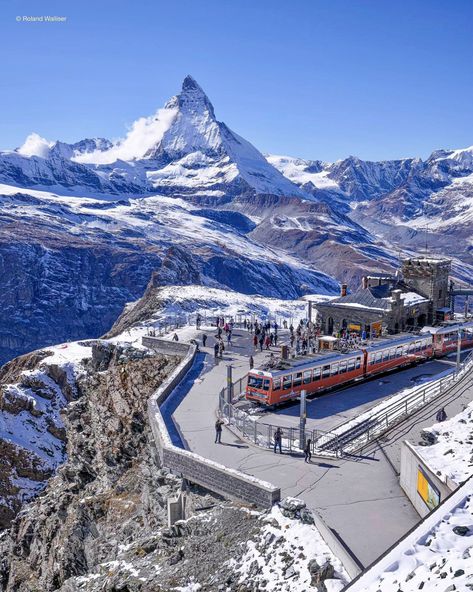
(390, 303)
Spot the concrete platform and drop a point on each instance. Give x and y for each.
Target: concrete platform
(359, 497)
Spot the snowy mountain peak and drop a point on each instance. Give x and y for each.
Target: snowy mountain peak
(193, 98)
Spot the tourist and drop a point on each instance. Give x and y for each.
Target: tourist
(221, 348)
(175, 337)
(251, 362)
(204, 340)
(278, 440)
(441, 414)
(307, 451)
(218, 431)
(216, 349)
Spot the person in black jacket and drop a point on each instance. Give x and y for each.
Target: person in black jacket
(441, 414)
(218, 431)
(307, 451)
(278, 440)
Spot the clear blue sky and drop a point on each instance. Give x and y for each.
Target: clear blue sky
(312, 78)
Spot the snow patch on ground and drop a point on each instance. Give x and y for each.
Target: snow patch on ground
(281, 555)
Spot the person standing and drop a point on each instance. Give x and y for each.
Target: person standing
(255, 341)
(307, 451)
(216, 349)
(252, 363)
(278, 440)
(218, 431)
(204, 340)
(441, 414)
(175, 337)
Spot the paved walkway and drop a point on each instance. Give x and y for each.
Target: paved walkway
(359, 497)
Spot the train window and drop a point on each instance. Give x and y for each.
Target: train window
(266, 384)
(334, 369)
(398, 351)
(297, 379)
(276, 384)
(287, 381)
(385, 355)
(343, 367)
(326, 371)
(307, 378)
(358, 363)
(255, 382)
(405, 350)
(316, 374)
(392, 354)
(379, 357)
(351, 365)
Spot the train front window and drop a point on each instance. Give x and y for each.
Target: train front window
(297, 379)
(307, 379)
(287, 381)
(276, 384)
(255, 382)
(266, 384)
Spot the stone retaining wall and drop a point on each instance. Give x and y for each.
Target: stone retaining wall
(211, 475)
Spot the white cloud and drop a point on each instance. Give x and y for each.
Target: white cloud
(35, 145)
(145, 133)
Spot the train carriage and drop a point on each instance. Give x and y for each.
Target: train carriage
(394, 353)
(321, 373)
(445, 339)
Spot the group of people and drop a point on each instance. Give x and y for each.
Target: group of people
(265, 334)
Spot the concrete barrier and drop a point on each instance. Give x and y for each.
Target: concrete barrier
(411, 464)
(166, 346)
(211, 475)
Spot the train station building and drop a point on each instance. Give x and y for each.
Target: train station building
(386, 304)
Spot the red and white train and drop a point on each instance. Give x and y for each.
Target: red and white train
(325, 371)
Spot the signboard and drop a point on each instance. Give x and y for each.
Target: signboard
(353, 327)
(427, 490)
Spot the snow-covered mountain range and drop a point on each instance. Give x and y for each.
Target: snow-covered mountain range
(84, 225)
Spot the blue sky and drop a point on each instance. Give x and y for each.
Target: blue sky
(311, 78)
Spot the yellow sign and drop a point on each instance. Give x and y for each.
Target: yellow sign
(427, 491)
(353, 327)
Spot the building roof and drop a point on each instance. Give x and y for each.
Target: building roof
(376, 298)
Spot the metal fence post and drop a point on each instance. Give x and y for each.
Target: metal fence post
(229, 383)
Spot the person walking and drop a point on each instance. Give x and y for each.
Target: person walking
(252, 363)
(218, 431)
(261, 342)
(175, 337)
(221, 348)
(255, 341)
(307, 451)
(216, 350)
(278, 440)
(229, 338)
(441, 414)
(204, 340)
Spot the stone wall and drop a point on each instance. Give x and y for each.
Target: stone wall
(213, 476)
(166, 346)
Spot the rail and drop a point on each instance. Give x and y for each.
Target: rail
(349, 436)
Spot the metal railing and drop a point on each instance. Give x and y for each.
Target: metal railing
(348, 437)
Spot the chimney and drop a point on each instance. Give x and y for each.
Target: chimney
(396, 295)
(364, 282)
(343, 290)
